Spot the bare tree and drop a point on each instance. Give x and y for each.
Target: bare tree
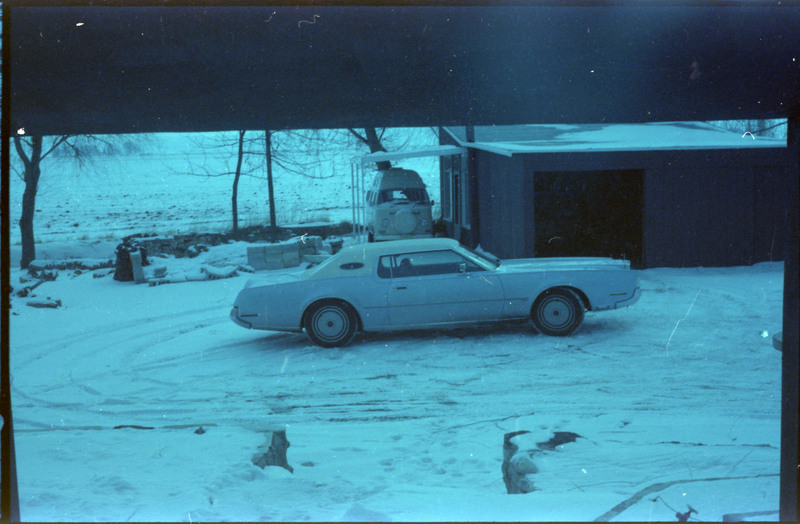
(32, 151)
(220, 145)
(775, 128)
(302, 153)
(235, 191)
(308, 153)
(374, 140)
(379, 140)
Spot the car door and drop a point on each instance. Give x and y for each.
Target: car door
(440, 287)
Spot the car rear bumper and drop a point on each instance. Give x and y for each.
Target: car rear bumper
(239, 321)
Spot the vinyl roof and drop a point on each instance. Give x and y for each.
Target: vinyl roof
(363, 256)
(578, 138)
(152, 68)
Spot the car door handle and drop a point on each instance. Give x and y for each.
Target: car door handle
(401, 287)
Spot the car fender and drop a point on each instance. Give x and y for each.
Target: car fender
(594, 288)
(367, 295)
(598, 290)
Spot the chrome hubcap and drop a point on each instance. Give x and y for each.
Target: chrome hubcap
(330, 323)
(556, 313)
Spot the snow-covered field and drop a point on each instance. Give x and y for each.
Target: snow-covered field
(677, 399)
(111, 196)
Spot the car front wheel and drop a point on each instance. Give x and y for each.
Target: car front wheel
(331, 323)
(557, 312)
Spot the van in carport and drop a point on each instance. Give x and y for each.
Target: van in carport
(398, 206)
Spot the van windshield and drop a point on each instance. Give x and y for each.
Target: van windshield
(409, 194)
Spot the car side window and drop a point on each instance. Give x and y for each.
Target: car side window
(427, 263)
(385, 267)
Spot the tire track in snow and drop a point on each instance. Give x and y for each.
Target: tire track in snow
(96, 332)
(131, 343)
(639, 495)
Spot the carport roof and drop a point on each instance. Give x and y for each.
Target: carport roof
(383, 156)
(584, 138)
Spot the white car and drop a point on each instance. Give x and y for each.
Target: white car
(436, 282)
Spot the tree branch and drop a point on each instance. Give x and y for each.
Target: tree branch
(21, 152)
(359, 137)
(57, 142)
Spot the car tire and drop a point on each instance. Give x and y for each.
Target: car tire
(331, 323)
(557, 312)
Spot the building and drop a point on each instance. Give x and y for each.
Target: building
(659, 194)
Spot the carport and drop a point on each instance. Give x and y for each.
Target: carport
(358, 177)
(83, 69)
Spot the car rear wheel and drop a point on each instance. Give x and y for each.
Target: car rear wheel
(557, 312)
(331, 323)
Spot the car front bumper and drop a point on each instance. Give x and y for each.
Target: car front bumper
(637, 293)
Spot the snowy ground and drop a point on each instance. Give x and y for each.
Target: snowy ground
(682, 387)
(677, 400)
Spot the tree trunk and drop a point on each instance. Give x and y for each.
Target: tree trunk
(272, 221)
(235, 192)
(32, 170)
(374, 143)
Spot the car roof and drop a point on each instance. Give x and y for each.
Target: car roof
(398, 177)
(400, 246)
(367, 253)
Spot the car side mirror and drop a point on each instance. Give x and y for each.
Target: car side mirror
(462, 267)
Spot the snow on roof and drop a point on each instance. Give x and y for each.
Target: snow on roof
(382, 156)
(397, 178)
(568, 138)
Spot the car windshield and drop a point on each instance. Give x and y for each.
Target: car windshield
(409, 194)
(484, 255)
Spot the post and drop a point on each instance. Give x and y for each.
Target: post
(136, 267)
(272, 224)
(353, 194)
(474, 191)
(362, 208)
(791, 304)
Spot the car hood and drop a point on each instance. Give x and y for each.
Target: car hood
(523, 265)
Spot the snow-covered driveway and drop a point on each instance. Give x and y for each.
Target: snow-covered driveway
(677, 401)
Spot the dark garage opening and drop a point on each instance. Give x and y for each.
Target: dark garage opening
(589, 213)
